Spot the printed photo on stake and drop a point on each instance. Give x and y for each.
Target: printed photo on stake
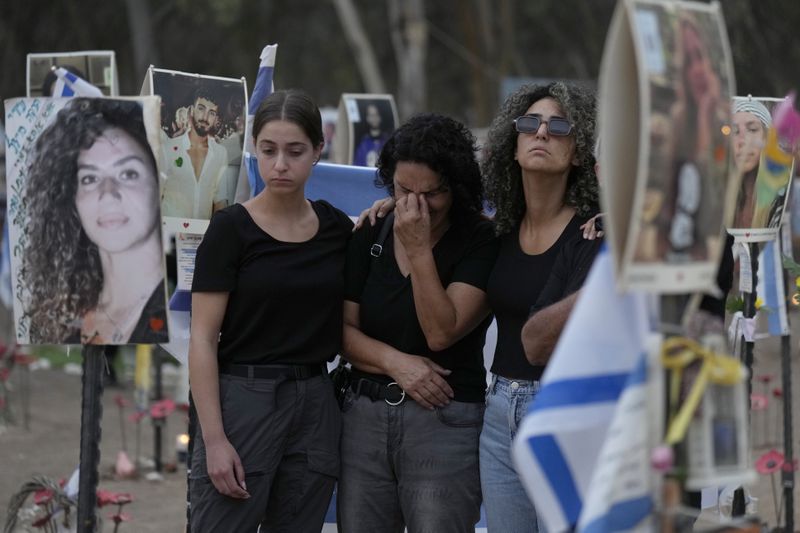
(763, 191)
(84, 221)
(368, 120)
(202, 130)
(97, 67)
(686, 79)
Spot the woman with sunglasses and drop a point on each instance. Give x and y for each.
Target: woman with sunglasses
(539, 176)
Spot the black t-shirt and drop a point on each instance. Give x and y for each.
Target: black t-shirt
(285, 302)
(387, 312)
(521, 284)
(716, 306)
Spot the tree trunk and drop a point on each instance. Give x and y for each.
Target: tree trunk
(362, 49)
(141, 29)
(410, 40)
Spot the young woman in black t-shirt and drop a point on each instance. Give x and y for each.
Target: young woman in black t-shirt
(266, 316)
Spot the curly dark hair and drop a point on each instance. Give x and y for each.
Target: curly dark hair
(502, 174)
(60, 265)
(445, 146)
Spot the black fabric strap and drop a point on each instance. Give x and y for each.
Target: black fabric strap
(273, 371)
(377, 249)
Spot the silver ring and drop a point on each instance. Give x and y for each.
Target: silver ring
(402, 396)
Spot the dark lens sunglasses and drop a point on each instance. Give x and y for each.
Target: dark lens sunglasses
(555, 126)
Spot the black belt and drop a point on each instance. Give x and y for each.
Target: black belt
(296, 372)
(391, 393)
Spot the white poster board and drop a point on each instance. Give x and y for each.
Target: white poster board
(665, 86)
(87, 261)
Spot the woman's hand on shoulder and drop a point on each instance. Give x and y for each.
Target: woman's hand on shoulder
(592, 228)
(379, 209)
(423, 380)
(225, 469)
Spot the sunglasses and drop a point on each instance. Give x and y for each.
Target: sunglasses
(555, 126)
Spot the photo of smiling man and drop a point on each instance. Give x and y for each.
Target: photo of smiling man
(200, 123)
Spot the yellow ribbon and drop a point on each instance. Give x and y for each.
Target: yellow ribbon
(677, 353)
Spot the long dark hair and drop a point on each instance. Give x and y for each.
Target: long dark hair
(294, 106)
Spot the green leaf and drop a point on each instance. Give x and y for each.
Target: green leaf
(179, 162)
(734, 304)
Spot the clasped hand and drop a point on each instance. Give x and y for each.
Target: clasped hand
(423, 380)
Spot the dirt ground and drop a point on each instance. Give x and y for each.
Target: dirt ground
(50, 445)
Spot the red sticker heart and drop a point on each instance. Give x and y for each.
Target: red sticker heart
(747, 234)
(156, 324)
(185, 224)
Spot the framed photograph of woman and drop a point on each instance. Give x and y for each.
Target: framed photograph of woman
(366, 121)
(764, 186)
(679, 54)
(87, 261)
(202, 134)
(98, 67)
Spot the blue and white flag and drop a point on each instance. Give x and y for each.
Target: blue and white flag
(69, 84)
(620, 496)
(263, 88)
(771, 287)
(556, 448)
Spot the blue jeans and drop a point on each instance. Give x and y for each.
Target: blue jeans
(406, 467)
(508, 508)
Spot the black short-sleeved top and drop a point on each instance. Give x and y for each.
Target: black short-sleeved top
(521, 283)
(387, 313)
(285, 303)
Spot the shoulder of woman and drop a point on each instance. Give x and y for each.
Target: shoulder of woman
(481, 229)
(323, 206)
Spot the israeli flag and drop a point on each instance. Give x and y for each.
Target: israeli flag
(68, 84)
(556, 448)
(771, 288)
(620, 494)
(263, 88)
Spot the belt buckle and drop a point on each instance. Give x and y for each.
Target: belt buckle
(402, 396)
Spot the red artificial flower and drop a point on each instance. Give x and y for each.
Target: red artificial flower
(4, 373)
(777, 392)
(770, 462)
(137, 416)
(123, 497)
(105, 497)
(120, 517)
(42, 521)
(790, 466)
(121, 401)
(42, 496)
(758, 402)
(23, 359)
(764, 378)
(162, 409)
